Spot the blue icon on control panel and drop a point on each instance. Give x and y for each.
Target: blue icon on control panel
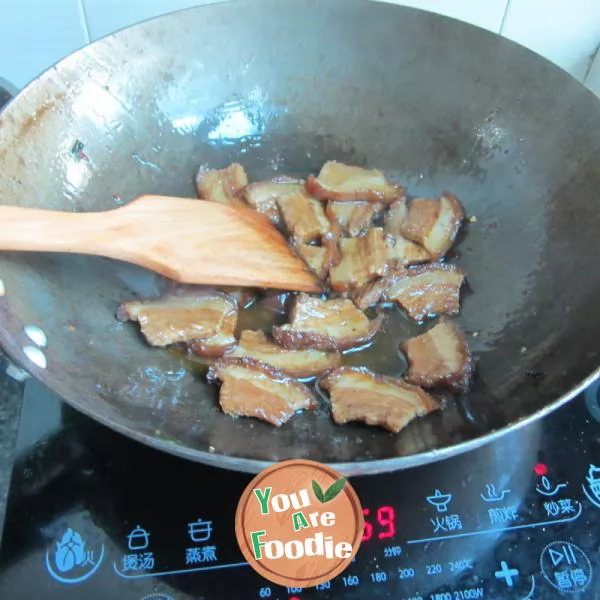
(138, 539)
(440, 501)
(200, 531)
(547, 489)
(566, 567)
(73, 559)
(492, 495)
(506, 573)
(592, 486)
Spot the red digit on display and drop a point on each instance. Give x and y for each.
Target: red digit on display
(386, 517)
(368, 530)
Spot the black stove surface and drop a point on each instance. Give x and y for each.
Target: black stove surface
(94, 515)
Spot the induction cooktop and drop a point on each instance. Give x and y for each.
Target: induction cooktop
(94, 515)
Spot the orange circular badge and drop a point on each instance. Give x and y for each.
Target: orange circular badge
(299, 523)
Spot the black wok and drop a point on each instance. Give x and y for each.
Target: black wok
(274, 84)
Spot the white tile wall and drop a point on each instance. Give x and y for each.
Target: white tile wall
(565, 31)
(593, 78)
(105, 16)
(483, 13)
(34, 34)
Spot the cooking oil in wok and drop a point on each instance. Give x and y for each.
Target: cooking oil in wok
(382, 355)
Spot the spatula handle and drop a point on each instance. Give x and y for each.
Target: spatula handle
(190, 241)
(42, 230)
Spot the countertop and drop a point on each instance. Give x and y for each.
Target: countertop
(11, 394)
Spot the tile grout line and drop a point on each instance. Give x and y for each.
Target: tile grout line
(83, 16)
(591, 60)
(506, 9)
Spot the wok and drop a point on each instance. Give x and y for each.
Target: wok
(436, 103)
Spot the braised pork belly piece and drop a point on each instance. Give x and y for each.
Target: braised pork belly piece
(331, 241)
(325, 325)
(262, 196)
(224, 186)
(401, 252)
(295, 363)
(304, 217)
(337, 181)
(318, 258)
(433, 223)
(358, 394)
(395, 217)
(362, 259)
(426, 291)
(371, 293)
(217, 344)
(250, 388)
(353, 218)
(439, 357)
(173, 319)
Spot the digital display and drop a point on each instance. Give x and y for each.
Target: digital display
(380, 523)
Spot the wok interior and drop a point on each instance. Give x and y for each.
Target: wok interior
(281, 86)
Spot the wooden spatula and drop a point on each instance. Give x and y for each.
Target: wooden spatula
(190, 241)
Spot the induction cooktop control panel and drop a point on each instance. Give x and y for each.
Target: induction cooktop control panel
(483, 540)
(518, 518)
